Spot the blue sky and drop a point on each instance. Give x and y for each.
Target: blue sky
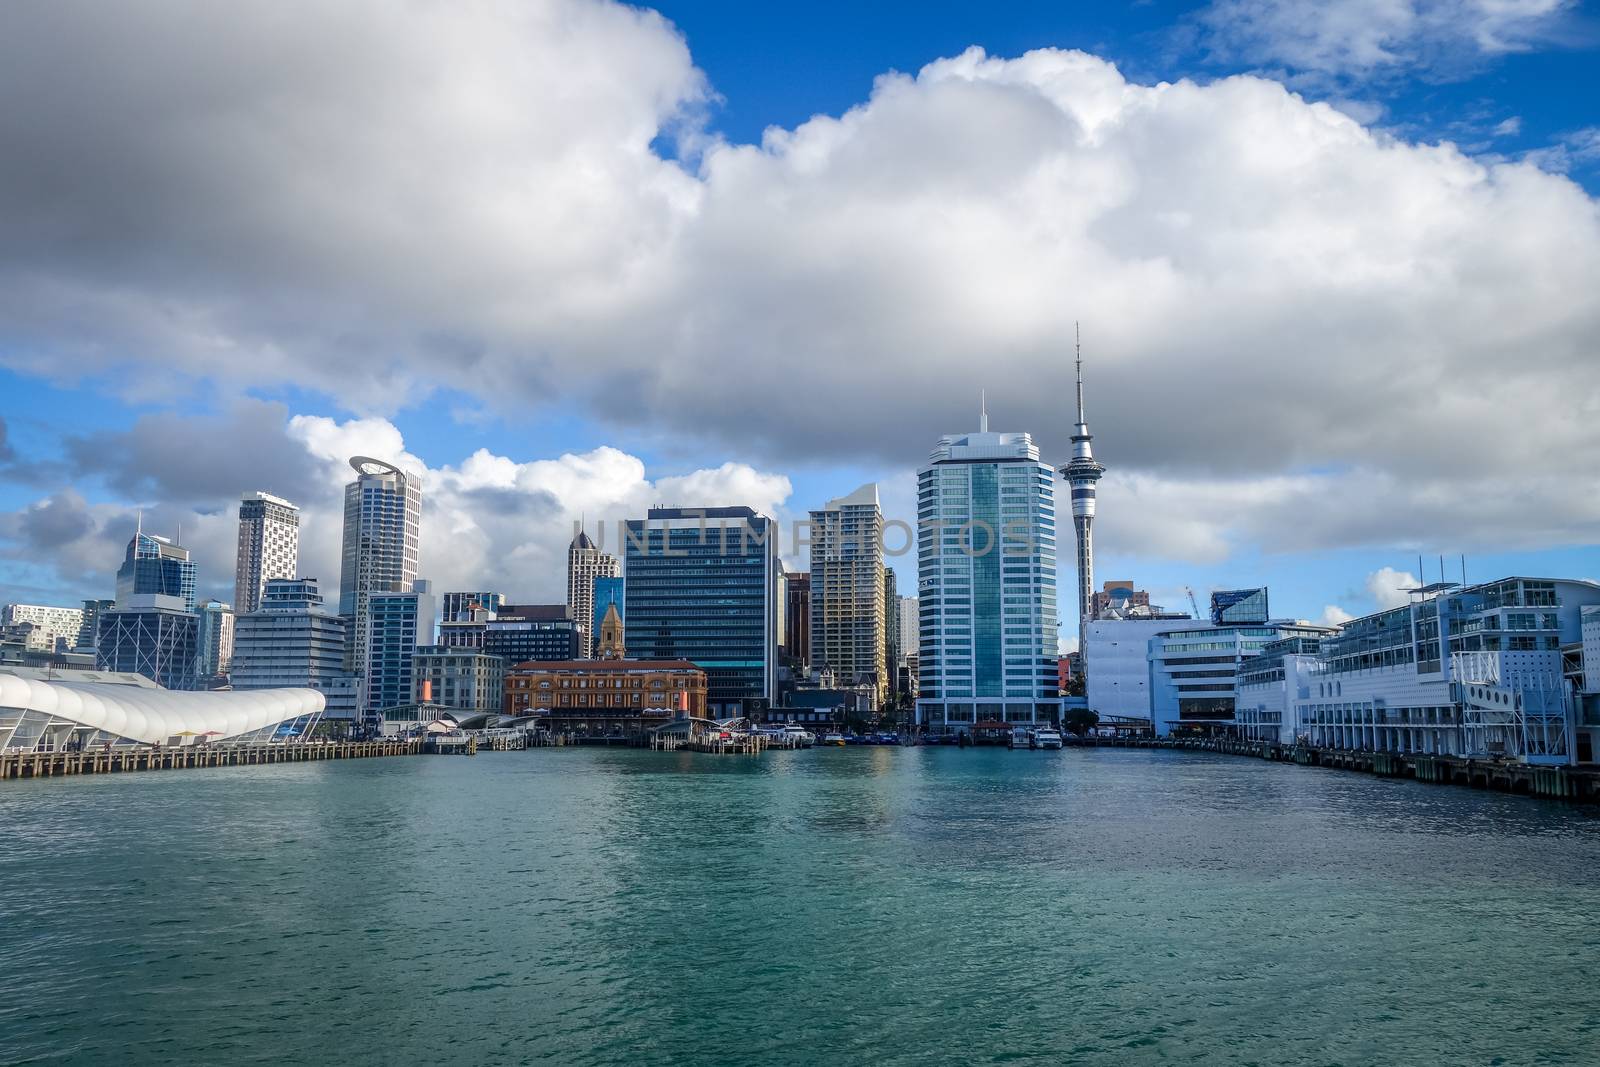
(1501, 88)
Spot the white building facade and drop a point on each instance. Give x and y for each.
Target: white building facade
(51, 625)
(986, 582)
(1116, 665)
(269, 547)
(1194, 673)
(1474, 672)
(848, 633)
(294, 641)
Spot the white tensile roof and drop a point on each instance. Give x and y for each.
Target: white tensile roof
(152, 715)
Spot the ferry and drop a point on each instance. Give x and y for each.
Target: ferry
(799, 736)
(1047, 737)
(834, 739)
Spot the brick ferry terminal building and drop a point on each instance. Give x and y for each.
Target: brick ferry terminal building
(605, 697)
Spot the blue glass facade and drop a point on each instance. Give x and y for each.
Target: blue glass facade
(154, 565)
(701, 586)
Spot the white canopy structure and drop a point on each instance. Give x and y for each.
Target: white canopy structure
(37, 713)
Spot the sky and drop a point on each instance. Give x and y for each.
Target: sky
(1334, 264)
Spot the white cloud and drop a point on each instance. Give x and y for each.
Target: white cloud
(1334, 615)
(1367, 38)
(1290, 319)
(1387, 587)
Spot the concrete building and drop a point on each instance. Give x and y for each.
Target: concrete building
(1116, 665)
(910, 610)
(53, 628)
(585, 563)
(1269, 685)
(269, 547)
(382, 542)
(797, 620)
(702, 586)
(91, 623)
(848, 632)
(150, 634)
(465, 680)
(156, 566)
(214, 640)
(524, 632)
(294, 641)
(399, 624)
(1474, 671)
(1194, 673)
(987, 583)
(1082, 473)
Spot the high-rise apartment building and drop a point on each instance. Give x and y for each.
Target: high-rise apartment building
(156, 566)
(986, 555)
(797, 619)
(382, 539)
(214, 639)
(909, 608)
(702, 586)
(398, 624)
(269, 547)
(52, 626)
(585, 563)
(91, 622)
(293, 641)
(847, 607)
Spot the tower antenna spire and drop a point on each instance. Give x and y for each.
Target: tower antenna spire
(983, 411)
(1077, 348)
(1081, 473)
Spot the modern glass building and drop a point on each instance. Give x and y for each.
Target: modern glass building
(1194, 673)
(1239, 607)
(156, 566)
(522, 633)
(986, 577)
(382, 539)
(399, 623)
(703, 586)
(214, 650)
(150, 634)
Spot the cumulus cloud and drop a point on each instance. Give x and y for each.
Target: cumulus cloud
(1387, 587)
(1298, 329)
(1370, 38)
(1334, 615)
(489, 522)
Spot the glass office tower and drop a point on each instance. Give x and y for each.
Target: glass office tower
(986, 569)
(156, 566)
(702, 586)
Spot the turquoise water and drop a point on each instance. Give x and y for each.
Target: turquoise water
(581, 906)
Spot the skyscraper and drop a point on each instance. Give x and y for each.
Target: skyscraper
(847, 616)
(398, 624)
(910, 622)
(986, 578)
(797, 619)
(1081, 473)
(269, 547)
(382, 536)
(585, 563)
(702, 586)
(156, 566)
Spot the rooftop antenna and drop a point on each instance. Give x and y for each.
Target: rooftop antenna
(983, 411)
(1463, 570)
(1077, 349)
(138, 529)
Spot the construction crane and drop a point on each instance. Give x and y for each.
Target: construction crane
(1193, 607)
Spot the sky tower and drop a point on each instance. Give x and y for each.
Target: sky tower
(1081, 474)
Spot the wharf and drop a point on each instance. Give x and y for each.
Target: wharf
(123, 758)
(1506, 776)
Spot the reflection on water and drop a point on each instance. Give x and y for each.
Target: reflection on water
(891, 905)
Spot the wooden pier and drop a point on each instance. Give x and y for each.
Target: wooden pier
(123, 758)
(1506, 776)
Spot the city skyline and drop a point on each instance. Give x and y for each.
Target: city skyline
(1312, 423)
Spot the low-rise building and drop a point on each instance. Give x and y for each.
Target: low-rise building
(294, 641)
(464, 680)
(522, 633)
(600, 697)
(1194, 673)
(1116, 665)
(1269, 685)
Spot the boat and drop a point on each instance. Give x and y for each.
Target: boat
(1047, 737)
(1019, 737)
(799, 736)
(834, 739)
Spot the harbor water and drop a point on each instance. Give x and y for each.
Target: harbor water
(885, 905)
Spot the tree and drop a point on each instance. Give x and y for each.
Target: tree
(1079, 721)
